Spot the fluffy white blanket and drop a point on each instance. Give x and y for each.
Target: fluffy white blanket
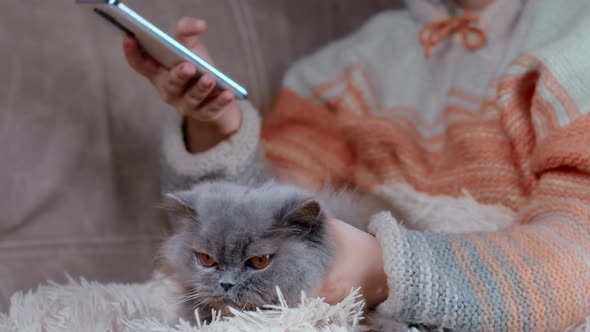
(151, 306)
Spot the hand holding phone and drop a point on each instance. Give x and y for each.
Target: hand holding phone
(194, 97)
(211, 114)
(179, 67)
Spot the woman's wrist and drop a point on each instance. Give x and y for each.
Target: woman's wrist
(377, 289)
(201, 136)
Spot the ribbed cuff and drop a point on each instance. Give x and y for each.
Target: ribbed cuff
(392, 239)
(416, 294)
(227, 157)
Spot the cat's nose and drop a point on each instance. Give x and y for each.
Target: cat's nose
(226, 286)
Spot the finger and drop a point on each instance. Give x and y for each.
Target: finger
(197, 94)
(139, 60)
(188, 30)
(173, 83)
(213, 109)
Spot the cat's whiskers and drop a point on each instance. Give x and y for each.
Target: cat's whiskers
(183, 300)
(198, 304)
(193, 295)
(192, 292)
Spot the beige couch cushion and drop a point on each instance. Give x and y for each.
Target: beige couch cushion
(79, 170)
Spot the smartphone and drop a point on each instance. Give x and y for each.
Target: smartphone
(157, 43)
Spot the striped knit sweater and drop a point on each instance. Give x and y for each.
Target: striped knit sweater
(506, 122)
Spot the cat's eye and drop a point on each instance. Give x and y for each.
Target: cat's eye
(205, 260)
(259, 262)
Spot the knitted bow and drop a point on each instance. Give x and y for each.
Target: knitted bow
(433, 33)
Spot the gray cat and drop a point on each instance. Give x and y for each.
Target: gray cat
(236, 243)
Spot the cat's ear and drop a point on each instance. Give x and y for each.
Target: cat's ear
(178, 204)
(305, 216)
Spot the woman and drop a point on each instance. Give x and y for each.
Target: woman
(478, 95)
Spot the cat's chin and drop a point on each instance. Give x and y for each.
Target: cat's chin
(223, 304)
(224, 309)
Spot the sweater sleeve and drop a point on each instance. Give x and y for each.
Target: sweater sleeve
(236, 159)
(530, 277)
(533, 276)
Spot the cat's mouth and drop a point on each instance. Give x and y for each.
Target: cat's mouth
(225, 300)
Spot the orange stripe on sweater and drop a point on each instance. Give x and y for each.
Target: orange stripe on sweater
(464, 95)
(566, 147)
(328, 164)
(566, 185)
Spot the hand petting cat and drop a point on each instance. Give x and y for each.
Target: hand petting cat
(358, 263)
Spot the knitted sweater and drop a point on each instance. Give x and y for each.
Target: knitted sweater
(507, 123)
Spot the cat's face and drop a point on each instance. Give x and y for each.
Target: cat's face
(236, 244)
